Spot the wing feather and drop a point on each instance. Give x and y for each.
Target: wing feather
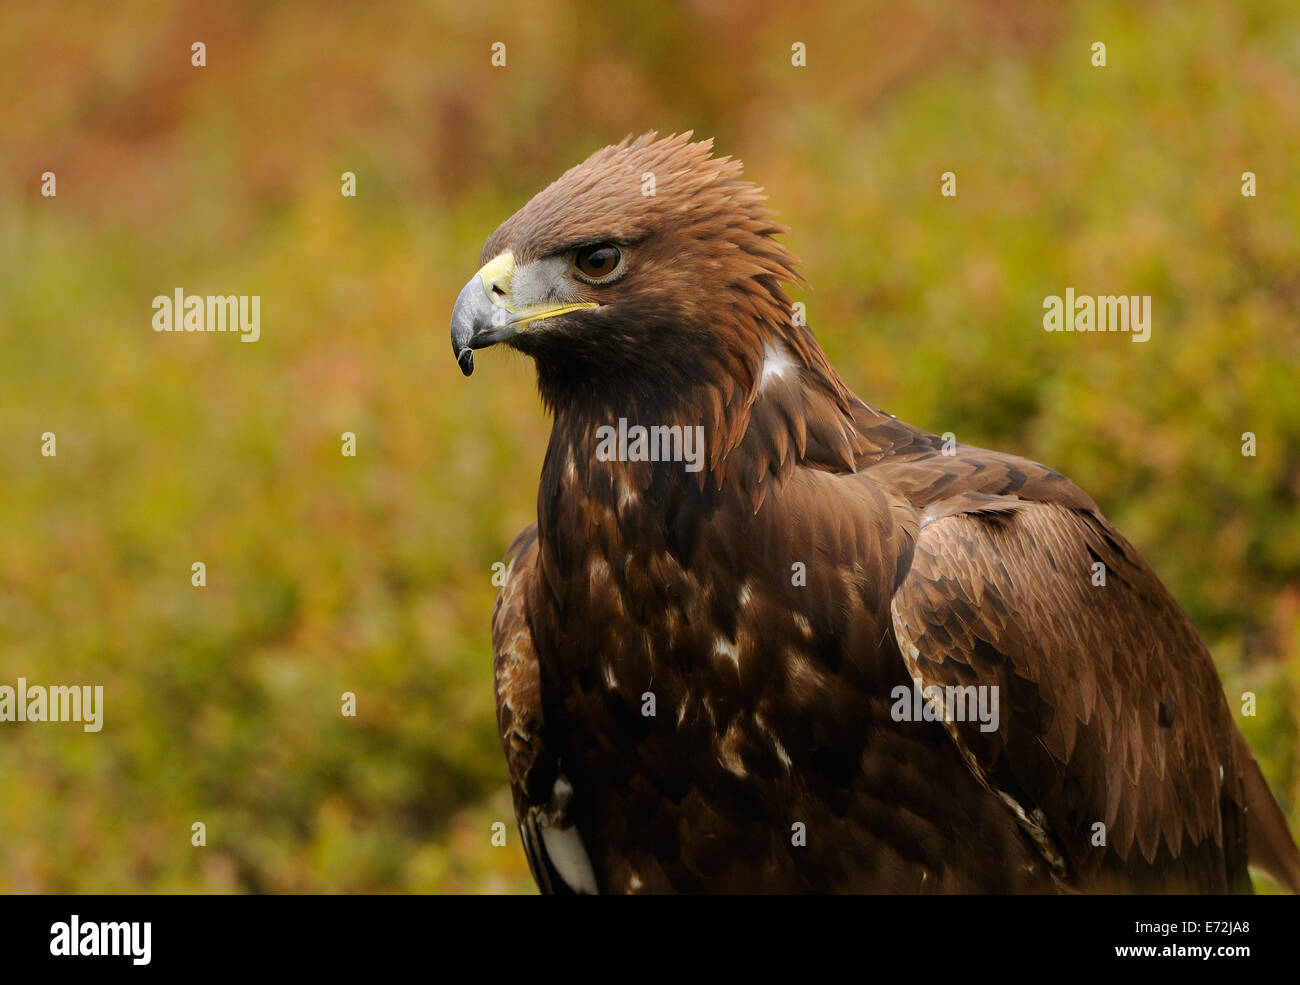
(556, 855)
(1008, 597)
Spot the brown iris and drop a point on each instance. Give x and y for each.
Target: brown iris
(597, 262)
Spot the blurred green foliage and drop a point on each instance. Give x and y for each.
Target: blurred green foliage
(372, 574)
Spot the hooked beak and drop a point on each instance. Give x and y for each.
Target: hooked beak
(486, 314)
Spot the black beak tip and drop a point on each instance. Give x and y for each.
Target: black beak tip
(465, 359)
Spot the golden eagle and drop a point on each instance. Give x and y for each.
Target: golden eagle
(726, 654)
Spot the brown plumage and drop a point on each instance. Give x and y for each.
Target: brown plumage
(697, 671)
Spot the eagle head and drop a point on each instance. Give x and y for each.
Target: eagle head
(651, 263)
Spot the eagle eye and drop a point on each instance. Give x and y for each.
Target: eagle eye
(599, 263)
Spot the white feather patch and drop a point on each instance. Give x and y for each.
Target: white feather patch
(569, 856)
(562, 843)
(777, 363)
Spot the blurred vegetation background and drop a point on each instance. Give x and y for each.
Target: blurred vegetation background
(372, 574)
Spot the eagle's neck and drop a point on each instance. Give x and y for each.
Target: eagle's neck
(638, 462)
